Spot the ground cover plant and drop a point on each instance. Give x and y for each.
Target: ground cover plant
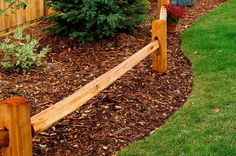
(19, 52)
(96, 19)
(206, 124)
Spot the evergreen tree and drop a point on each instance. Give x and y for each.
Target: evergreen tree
(87, 20)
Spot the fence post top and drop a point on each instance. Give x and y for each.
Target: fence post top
(14, 101)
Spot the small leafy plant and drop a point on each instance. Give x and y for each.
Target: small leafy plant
(174, 13)
(19, 52)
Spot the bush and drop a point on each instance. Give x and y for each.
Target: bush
(87, 20)
(18, 53)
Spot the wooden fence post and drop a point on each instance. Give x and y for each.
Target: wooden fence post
(160, 3)
(159, 57)
(15, 118)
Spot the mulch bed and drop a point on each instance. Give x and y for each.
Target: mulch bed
(129, 110)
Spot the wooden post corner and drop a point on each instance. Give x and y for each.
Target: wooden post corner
(15, 118)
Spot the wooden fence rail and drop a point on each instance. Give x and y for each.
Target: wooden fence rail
(46, 118)
(16, 126)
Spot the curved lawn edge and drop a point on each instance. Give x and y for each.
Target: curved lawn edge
(206, 124)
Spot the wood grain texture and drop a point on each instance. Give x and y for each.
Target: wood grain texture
(2, 18)
(155, 53)
(46, 118)
(159, 57)
(15, 117)
(35, 10)
(162, 38)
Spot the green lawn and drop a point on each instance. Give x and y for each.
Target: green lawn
(206, 124)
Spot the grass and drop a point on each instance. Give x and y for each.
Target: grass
(206, 124)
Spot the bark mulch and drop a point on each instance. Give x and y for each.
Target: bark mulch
(129, 110)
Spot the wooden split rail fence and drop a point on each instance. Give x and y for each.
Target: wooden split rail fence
(16, 126)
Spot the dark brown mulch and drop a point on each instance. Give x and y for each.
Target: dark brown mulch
(130, 109)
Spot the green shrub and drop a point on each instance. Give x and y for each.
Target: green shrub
(19, 52)
(87, 20)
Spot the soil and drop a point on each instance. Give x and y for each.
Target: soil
(130, 109)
